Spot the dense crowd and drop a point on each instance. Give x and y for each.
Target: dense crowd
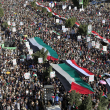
(20, 94)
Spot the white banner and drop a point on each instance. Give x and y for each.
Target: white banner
(79, 38)
(30, 51)
(27, 75)
(14, 62)
(52, 74)
(57, 20)
(97, 45)
(29, 56)
(69, 7)
(63, 27)
(104, 48)
(88, 39)
(40, 60)
(89, 29)
(93, 43)
(91, 78)
(103, 21)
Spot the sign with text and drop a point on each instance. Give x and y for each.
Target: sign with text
(97, 45)
(91, 78)
(52, 74)
(14, 62)
(57, 20)
(105, 48)
(27, 75)
(89, 29)
(80, 2)
(93, 43)
(40, 60)
(88, 39)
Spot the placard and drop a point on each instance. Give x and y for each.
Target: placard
(69, 7)
(89, 45)
(57, 20)
(22, 60)
(103, 21)
(89, 29)
(29, 56)
(30, 51)
(79, 38)
(88, 39)
(27, 75)
(50, 5)
(52, 74)
(27, 43)
(40, 60)
(93, 43)
(91, 78)
(80, 2)
(104, 48)
(63, 27)
(14, 62)
(97, 45)
(75, 8)
(58, 37)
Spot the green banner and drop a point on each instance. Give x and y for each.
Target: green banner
(11, 48)
(81, 2)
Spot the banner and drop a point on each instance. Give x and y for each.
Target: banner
(80, 2)
(14, 62)
(88, 39)
(69, 7)
(89, 29)
(97, 45)
(93, 43)
(29, 56)
(40, 60)
(52, 74)
(79, 38)
(103, 21)
(27, 75)
(91, 78)
(57, 20)
(104, 48)
(30, 51)
(63, 27)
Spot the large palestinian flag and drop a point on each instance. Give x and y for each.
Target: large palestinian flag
(70, 79)
(82, 71)
(37, 44)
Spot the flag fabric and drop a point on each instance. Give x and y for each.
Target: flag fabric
(77, 24)
(37, 44)
(100, 37)
(108, 84)
(82, 71)
(49, 10)
(70, 79)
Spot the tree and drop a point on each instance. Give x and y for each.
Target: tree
(1, 12)
(44, 10)
(75, 99)
(103, 101)
(85, 3)
(83, 29)
(33, 4)
(76, 3)
(40, 54)
(4, 25)
(50, 14)
(70, 22)
(87, 103)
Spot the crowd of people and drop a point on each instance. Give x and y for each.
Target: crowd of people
(16, 92)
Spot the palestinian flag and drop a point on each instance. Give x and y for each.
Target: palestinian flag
(37, 44)
(70, 79)
(82, 71)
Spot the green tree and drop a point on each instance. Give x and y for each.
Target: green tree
(103, 101)
(83, 29)
(44, 10)
(75, 99)
(4, 25)
(1, 12)
(76, 3)
(50, 14)
(70, 22)
(87, 104)
(63, 0)
(85, 3)
(40, 54)
(33, 4)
